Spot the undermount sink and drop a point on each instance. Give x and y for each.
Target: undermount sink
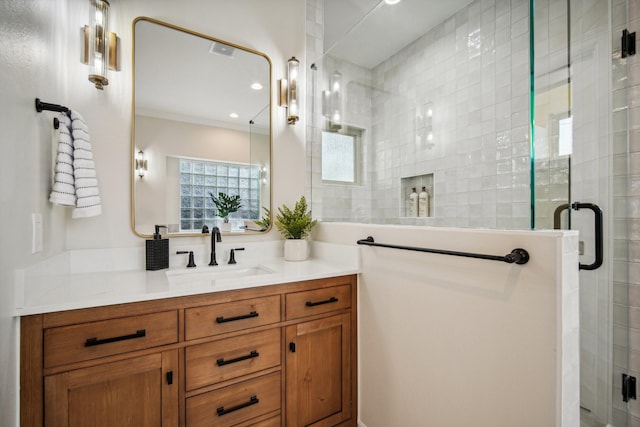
(216, 273)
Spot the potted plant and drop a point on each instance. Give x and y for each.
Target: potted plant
(295, 225)
(226, 205)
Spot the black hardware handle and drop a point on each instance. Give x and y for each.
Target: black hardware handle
(251, 355)
(252, 401)
(597, 223)
(329, 301)
(170, 377)
(557, 216)
(222, 319)
(518, 256)
(90, 342)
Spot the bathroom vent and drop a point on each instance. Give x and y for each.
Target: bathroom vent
(222, 49)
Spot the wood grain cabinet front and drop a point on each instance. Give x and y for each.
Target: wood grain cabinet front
(235, 404)
(231, 316)
(317, 301)
(137, 392)
(92, 340)
(273, 356)
(229, 358)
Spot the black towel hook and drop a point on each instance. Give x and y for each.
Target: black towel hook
(45, 106)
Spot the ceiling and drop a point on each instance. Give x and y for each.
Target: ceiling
(367, 32)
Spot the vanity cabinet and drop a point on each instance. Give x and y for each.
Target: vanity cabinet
(130, 392)
(278, 355)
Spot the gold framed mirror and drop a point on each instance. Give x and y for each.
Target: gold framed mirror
(201, 126)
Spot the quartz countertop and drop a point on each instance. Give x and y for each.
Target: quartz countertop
(52, 287)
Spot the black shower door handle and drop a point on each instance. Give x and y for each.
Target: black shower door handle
(597, 216)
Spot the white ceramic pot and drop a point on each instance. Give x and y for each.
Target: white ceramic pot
(296, 250)
(225, 226)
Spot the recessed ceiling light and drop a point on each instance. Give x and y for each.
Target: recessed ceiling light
(392, 1)
(233, 115)
(256, 86)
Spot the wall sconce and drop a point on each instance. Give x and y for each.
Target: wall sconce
(100, 46)
(289, 91)
(141, 164)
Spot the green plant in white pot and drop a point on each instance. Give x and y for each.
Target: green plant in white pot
(226, 205)
(295, 225)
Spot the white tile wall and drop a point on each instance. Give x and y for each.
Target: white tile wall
(473, 69)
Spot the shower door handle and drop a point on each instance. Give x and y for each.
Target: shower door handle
(597, 216)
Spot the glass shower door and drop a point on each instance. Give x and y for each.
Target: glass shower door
(580, 155)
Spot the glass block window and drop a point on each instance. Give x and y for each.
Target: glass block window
(198, 178)
(340, 157)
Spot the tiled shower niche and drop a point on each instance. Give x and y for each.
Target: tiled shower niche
(406, 188)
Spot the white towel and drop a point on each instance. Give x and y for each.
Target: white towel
(75, 182)
(84, 172)
(63, 191)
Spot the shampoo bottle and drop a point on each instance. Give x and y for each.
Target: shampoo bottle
(413, 202)
(423, 203)
(157, 251)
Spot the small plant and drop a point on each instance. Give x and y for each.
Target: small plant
(265, 222)
(296, 223)
(226, 204)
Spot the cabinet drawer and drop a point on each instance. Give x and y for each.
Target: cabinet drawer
(232, 357)
(232, 316)
(317, 301)
(92, 340)
(235, 404)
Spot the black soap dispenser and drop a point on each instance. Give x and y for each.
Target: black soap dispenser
(157, 251)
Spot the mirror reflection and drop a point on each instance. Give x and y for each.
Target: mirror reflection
(201, 132)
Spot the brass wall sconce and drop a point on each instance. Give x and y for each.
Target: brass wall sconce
(289, 91)
(100, 45)
(141, 164)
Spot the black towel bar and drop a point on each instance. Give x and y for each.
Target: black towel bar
(518, 255)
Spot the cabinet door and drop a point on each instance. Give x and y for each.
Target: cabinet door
(141, 391)
(318, 376)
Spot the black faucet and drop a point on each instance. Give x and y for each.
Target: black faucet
(215, 237)
(191, 263)
(232, 255)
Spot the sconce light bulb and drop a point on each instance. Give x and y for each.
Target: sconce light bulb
(430, 136)
(429, 112)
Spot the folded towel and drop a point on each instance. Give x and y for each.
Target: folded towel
(63, 191)
(85, 180)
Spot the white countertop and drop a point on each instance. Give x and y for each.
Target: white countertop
(50, 288)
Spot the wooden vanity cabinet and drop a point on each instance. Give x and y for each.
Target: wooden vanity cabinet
(280, 355)
(130, 392)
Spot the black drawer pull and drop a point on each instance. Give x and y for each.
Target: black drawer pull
(329, 301)
(252, 401)
(222, 362)
(221, 319)
(90, 342)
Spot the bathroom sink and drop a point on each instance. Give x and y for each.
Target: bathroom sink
(207, 273)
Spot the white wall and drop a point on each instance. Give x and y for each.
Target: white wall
(448, 341)
(39, 57)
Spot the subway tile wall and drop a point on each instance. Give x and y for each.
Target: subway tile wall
(473, 70)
